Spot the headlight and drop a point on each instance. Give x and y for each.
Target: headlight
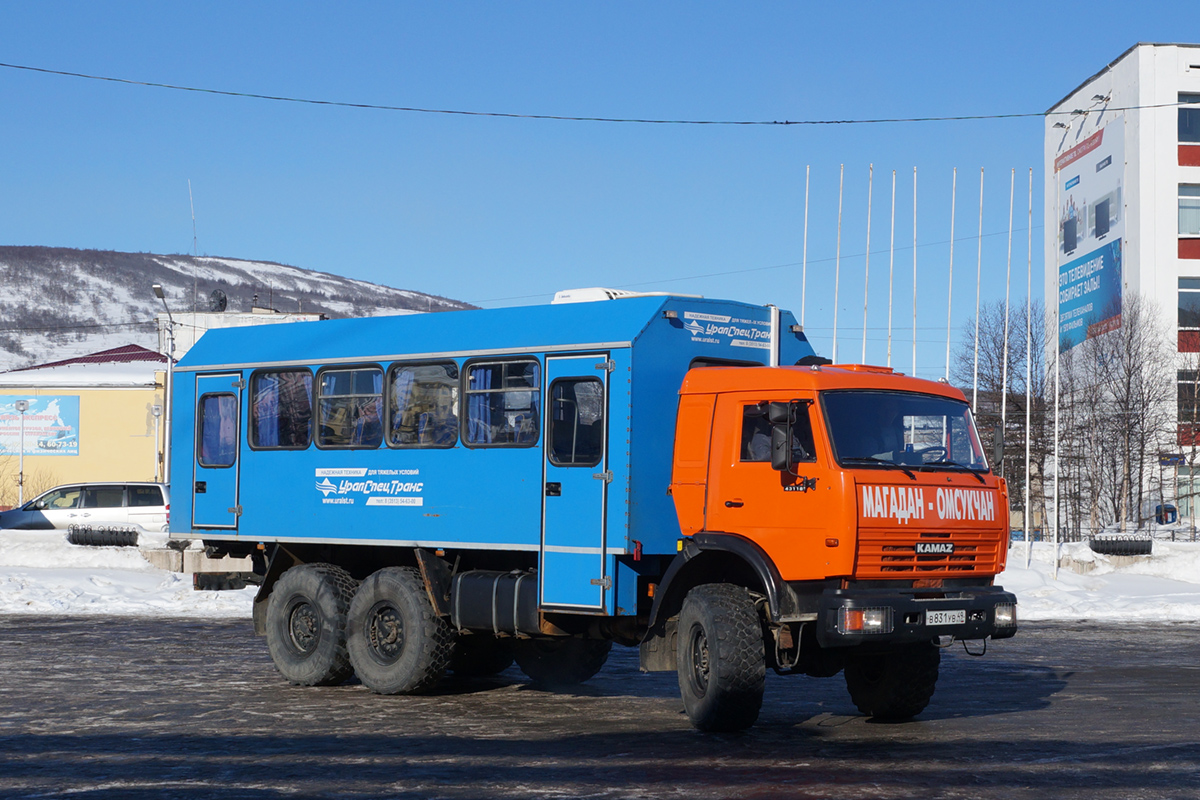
(1006, 615)
(865, 620)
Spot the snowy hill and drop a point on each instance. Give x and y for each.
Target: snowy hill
(58, 303)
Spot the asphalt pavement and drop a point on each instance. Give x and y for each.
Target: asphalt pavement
(150, 708)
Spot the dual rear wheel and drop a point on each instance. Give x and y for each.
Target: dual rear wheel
(323, 627)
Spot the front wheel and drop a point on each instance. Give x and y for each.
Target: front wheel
(893, 684)
(397, 642)
(720, 658)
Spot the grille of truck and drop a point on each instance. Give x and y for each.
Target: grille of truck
(892, 554)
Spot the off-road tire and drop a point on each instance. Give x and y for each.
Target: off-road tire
(306, 624)
(559, 663)
(102, 538)
(893, 684)
(397, 642)
(721, 658)
(477, 655)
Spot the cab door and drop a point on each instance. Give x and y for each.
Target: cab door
(215, 466)
(793, 515)
(576, 481)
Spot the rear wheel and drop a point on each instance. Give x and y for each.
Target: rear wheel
(561, 662)
(477, 655)
(306, 624)
(721, 659)
(893, 684)
(397, 642)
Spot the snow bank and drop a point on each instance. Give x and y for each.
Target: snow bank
(1161, 587)
(40, 573)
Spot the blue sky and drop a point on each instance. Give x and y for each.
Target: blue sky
(503, 212)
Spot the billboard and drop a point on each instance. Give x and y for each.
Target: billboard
(51, 425)
(1091, 224)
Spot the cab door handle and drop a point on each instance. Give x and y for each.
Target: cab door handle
(733, 504)
(553, 489)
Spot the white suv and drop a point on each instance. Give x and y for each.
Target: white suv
(136, 505)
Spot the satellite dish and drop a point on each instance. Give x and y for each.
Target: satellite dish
(217, 300)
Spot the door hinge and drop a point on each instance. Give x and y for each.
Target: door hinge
(605, 476)
(236, 511)
(603, 583)
(607, 365)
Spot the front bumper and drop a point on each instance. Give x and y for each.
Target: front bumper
(908, 618)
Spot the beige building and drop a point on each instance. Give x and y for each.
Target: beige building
(99, 417)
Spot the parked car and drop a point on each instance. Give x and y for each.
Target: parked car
(143, 506)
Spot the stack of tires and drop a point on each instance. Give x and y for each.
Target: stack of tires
(102, 537)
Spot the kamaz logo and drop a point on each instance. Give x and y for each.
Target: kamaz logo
(935, 548)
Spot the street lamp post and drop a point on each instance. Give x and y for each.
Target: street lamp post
(22, 406)
(158, 292)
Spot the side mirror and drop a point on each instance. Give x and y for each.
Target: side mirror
(998, 448)
(780, 417)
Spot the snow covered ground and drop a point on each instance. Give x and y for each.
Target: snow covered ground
(40, 573)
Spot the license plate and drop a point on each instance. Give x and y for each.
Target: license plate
(956, 617)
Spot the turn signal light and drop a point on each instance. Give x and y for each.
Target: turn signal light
(865, 620)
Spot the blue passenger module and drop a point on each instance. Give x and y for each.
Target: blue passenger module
(500, 430)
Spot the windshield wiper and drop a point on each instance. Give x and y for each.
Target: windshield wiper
(881, 461)
(957, 466)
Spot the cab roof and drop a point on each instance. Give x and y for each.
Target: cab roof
(712, 380)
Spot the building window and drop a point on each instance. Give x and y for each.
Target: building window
(1189, 118)
(1189, 303)
(424, 405)
(1189, 209)
(503, 403)
(350, 408)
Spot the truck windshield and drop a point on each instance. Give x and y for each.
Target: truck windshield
(902, 428)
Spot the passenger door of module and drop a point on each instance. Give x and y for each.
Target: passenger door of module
(215, 467)
(576, 482)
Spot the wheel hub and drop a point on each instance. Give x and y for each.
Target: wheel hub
(385, 632)
(700, 664)
(304, 627)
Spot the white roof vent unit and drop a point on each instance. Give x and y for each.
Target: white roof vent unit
(590, 295)
(597, 293)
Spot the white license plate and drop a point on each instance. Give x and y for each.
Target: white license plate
(957, 617)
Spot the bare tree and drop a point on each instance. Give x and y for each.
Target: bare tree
(1121, 399)
(988, 410)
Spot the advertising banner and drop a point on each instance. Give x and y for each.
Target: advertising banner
(1091, 224)
(51, 425)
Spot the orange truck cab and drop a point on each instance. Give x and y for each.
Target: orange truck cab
(856, 506)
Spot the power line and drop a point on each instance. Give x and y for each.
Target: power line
(565, 118)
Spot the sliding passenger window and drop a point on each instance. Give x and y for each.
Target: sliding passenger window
(503, 403)
(350, 408)
(217, 432)
(423, 405)
(281, 409)
(576, 422)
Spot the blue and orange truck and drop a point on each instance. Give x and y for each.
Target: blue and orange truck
(455, 491)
